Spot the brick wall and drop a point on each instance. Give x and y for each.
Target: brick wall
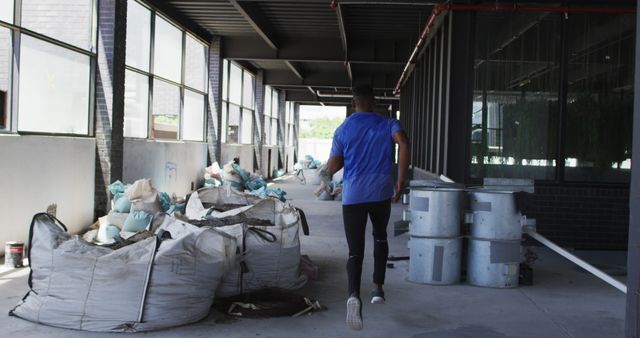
(109, 114)
(214, 114)
(582, 217)
(258, 119)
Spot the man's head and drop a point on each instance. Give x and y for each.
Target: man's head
(363, 99)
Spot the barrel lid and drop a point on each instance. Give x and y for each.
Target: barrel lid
(440, 189)
(489, 191)
(433, 183)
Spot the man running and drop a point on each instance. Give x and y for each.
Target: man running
(364, 145)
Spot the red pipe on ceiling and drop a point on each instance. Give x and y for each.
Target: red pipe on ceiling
(439, 9)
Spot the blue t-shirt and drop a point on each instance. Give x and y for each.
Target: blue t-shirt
(365, 141)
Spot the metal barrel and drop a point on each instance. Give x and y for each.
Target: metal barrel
(495, 215)
(435, 261)
(494, 247)
(493, 264)
(13, 254)
(435, 212)
(435, 245)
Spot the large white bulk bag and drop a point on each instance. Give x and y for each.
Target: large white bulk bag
(151, 284)
(271, 254)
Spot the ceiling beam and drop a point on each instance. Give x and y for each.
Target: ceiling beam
(344, 40)
(286, 78)
(294, 69)
(358, 2)
(258, 24)
(343, 33)
(314, 50)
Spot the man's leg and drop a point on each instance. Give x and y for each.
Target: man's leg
(379, 213)
(355, 222)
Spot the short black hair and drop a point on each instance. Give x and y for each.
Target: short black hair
(362, 92)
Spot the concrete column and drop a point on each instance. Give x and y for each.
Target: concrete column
(214, 112)
(259, 123)
(282, 112)
(109, 113)
(632, 324)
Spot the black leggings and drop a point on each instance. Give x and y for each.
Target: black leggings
(355, 223)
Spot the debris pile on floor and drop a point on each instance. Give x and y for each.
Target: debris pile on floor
(156, 262)
(329, 189)
(132, 209)
(235, 177)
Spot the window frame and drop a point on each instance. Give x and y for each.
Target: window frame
(16, 32)
(152, 77)
(226, 103)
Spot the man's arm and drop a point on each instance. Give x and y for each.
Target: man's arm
(404, 155)
(334, 165)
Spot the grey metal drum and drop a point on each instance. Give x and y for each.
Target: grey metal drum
(436, 212)
(435, 260)
(493, 264)
(495, 215)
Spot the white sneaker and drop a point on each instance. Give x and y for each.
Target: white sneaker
(354, 313)
(377, 296)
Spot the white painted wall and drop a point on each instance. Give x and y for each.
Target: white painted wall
(267, 166)
(244, 151)
(171, 166)
(36, 171)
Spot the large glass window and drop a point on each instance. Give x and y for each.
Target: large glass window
(167, 50)
(193, 121)
(235, 84)
(53, 88)
(271, 116)
(247, 126)
(238, 104)
(136, 104)
(515, 101)
(195, 64)
(178, 89)
(5, 76)
(6, 11)
(54, 82)
(70, 21)
(248, 90)
(166, 110)
(138, 36)
(233, 128)
(289, 122)
(517, 111)
(600, 98)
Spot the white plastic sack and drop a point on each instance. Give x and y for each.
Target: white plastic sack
(144, 286)
(144, 196)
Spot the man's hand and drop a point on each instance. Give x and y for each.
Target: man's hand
(400, 185)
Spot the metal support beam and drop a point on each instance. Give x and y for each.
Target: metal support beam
(284, 78)
(320, 50)
(344, 40)
(256, 23)
(632, 322)
(294, 69)
(358, 2)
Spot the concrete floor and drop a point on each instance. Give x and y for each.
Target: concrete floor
(564, 301)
